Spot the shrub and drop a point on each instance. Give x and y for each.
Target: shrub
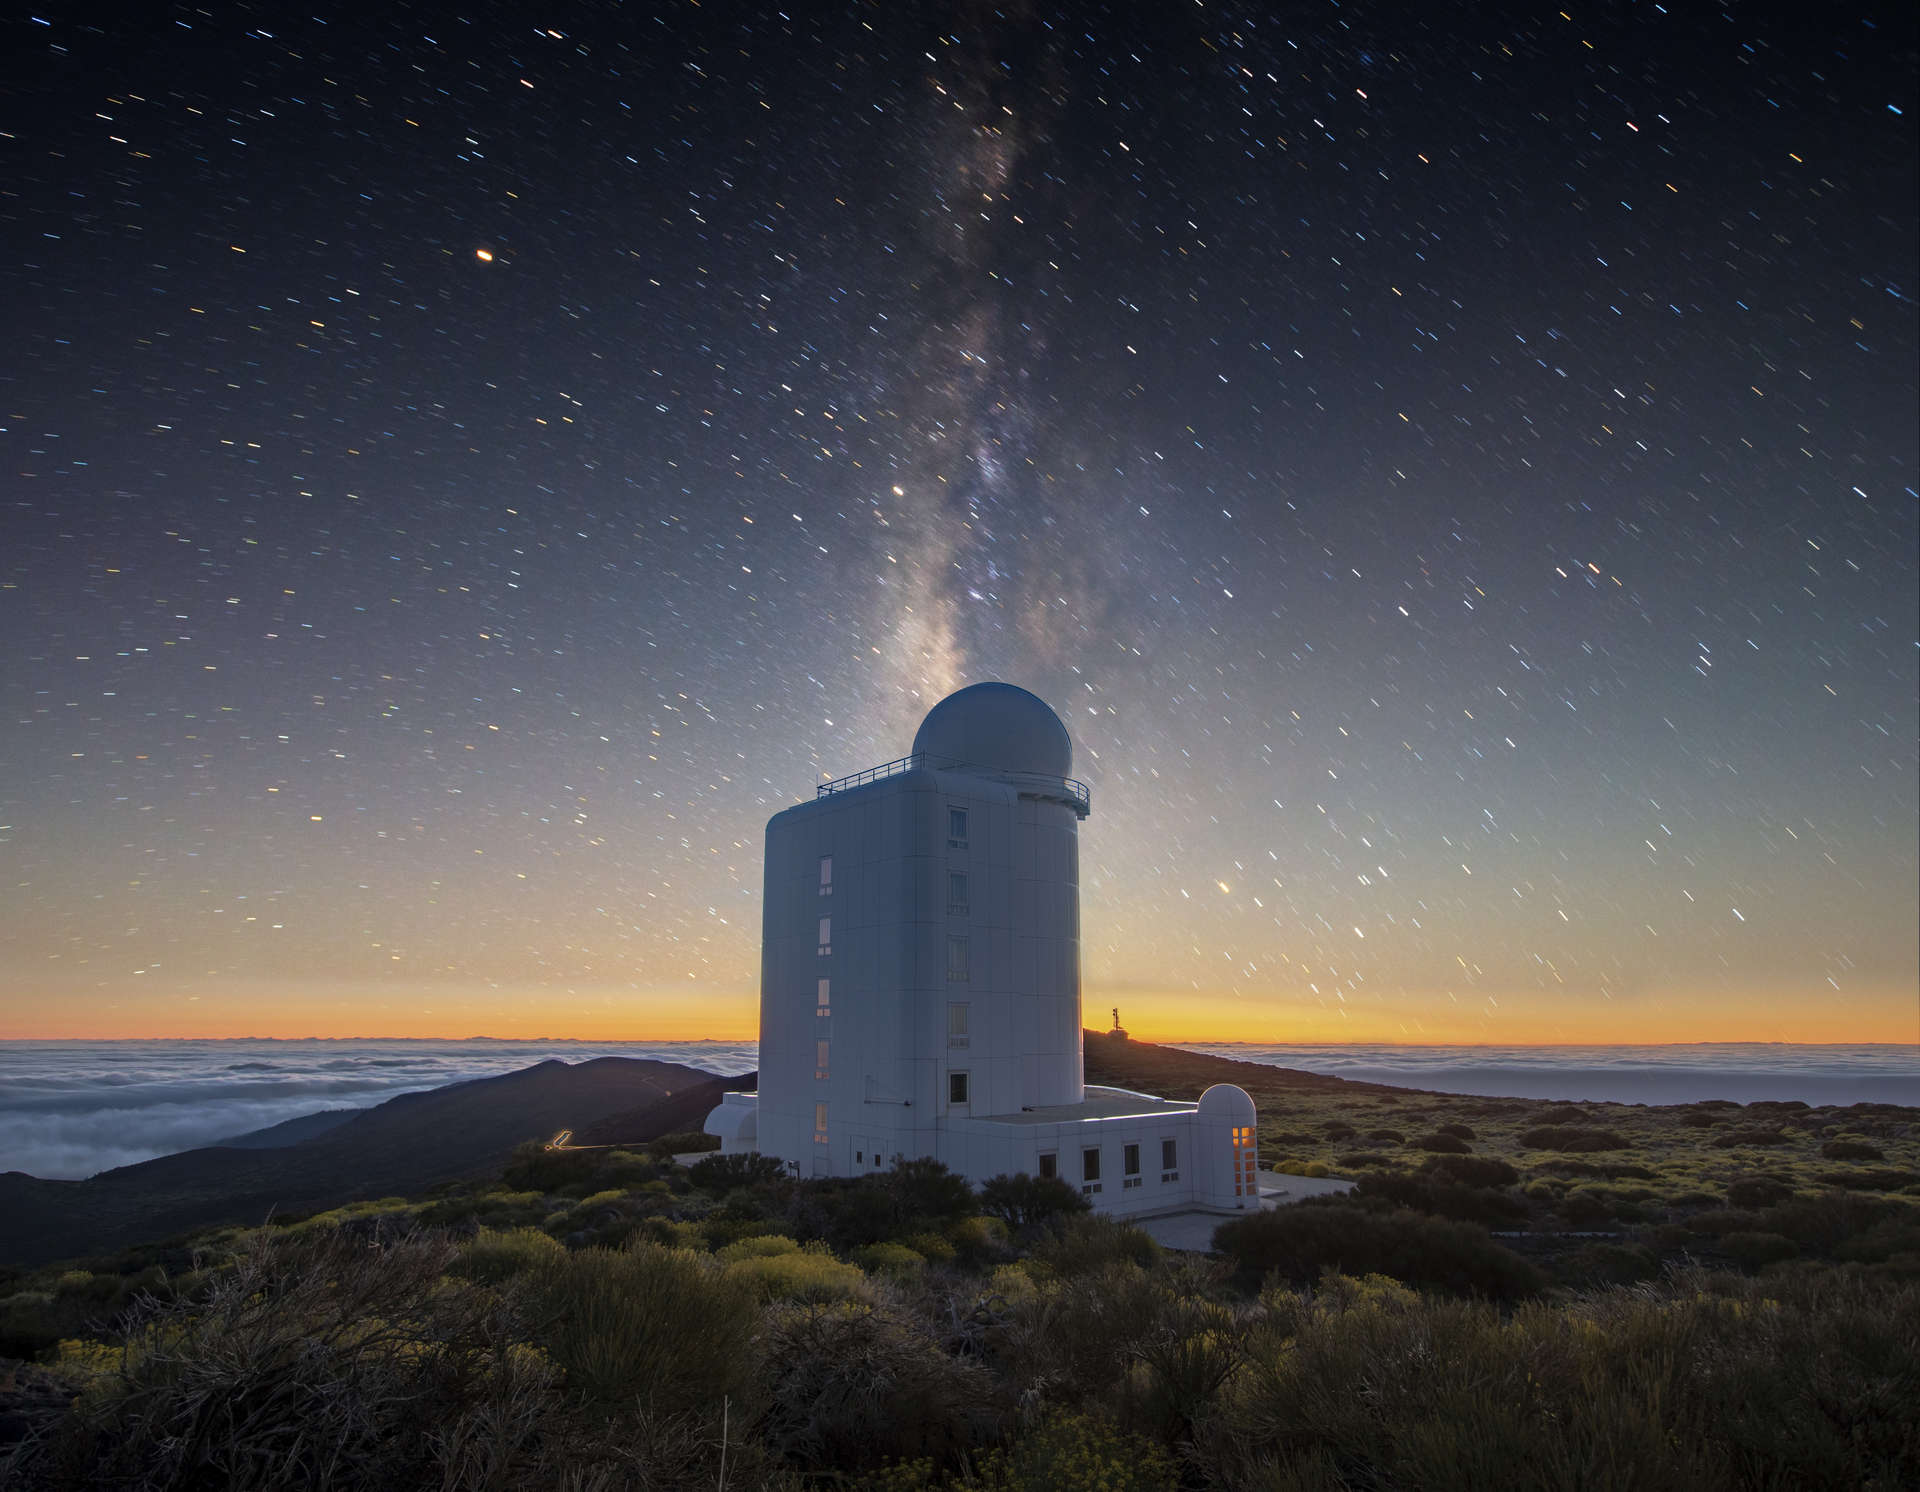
(1024, 1201)
(1571, 1139)
(1610, 1264)
(682, 1142)
(890, 1258)
(1749, 1136)
(1442, 1197)
(1471, 1170)
(1077, 1450)
(927, 1189)
(1756, 1249)
(1442, 1144)
(810, 1274)
(1757, 1191)
(491, 1256)
(1385, 1137)
(1338, 1130)
(664, 1327)
(1298, 1243)
(1879, 1179)
(1851, 1150)
(1357, 1160)
(1458, 1131)
(725, 1173)
(1697, 1119)
(1087, 1244)
(758, 1246)
(1584, 1207)
(852, 1385)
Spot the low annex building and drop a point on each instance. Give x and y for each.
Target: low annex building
(920, 982)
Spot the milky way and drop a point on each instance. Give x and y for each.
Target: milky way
(1453, 473)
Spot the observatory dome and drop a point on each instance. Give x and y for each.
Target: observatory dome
(998, 726)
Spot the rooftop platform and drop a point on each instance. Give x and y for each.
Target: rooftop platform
(1100, 1103)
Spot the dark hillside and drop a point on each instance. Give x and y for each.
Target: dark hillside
(406, 1144)
(1168, 1072)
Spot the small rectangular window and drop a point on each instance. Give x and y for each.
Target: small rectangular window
(956, 828)
(958, 898)
(1169, 1155)
(956, 960)
(823, 997)
(1130, 1160)
(959, 1017)
(1090, 1164)
(956, 1087)
(826, 935)
(820, 1059)
(820, 1124)
(826, 875)
(1049, 1166)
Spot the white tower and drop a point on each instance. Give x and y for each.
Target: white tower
(920, 979)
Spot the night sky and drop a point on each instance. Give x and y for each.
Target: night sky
(1452, 468)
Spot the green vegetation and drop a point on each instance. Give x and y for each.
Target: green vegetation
(1498, 1301)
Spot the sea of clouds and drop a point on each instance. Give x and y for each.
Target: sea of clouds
(1746, 1072)
(69, 1109)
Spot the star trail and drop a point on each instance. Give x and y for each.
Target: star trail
(1453, 470)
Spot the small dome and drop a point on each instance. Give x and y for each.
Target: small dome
(998, 726)
(1227, 1103)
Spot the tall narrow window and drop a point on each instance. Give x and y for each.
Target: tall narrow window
(956, 828)
(956, 1087)
(1169, 1160)
(826, 935)
(823, 997)
(1130, 1160)
(958, 1024)
(819, 1124)
(826, 875)
(1090, 1164)
(1246, 1182)
(956, 960)
(820, 1059)
(958, 898)
(1049, 1166)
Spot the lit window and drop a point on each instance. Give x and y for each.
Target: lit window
(820, 1059)
(956, 1087)
(819, 1124)
(826, 875)
(826, 935)
(823, 1000)
(1130, 1160)
(1090, 1164)
(958, 901)
(956, 960)
(1246, 1183)
(1049, 1166)
(958, 1016)
(956, 828)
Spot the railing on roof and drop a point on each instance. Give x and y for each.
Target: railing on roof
(1068, 790)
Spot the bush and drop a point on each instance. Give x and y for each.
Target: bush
(1298, 1243)
(724, 1173)
(1458, 1131)
(1757, 1191)
(1443, 1144)
(1443, 1197)
(1851, 1150)
(682, 1142)
(1074, 1451)
(1471, 1170)
(1749, 1136)
(1610, 1264)
(890, 1258)
(664, 1327)
(926, 1189)
(1572, 1140)
(1090, 1243)
(850, 1386)
(1023, 1201)
(809, 1274)
(1879, 1179)
(1756, 1249)
(491, 1256)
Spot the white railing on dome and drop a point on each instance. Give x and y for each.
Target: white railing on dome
(1074, 792)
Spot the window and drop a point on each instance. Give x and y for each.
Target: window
(956, 1087)
(826, 935)
(819, 1124)
(820, 1059)
(823, 997)
(956, 828)
(957, 894)
(1090, 1164)
(958, 1015)
(1049, 1166)
(1169, 1160)
(1130, 1160)
(1245, 1182)
(826, 875)
(956, 960)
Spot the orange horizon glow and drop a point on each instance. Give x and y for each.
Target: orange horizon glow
(330, 1010)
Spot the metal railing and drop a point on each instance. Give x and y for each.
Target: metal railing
(1074, 793)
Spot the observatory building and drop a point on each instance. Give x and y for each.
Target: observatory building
(920, 982)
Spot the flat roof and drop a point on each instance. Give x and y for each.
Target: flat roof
(1100, 1103)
